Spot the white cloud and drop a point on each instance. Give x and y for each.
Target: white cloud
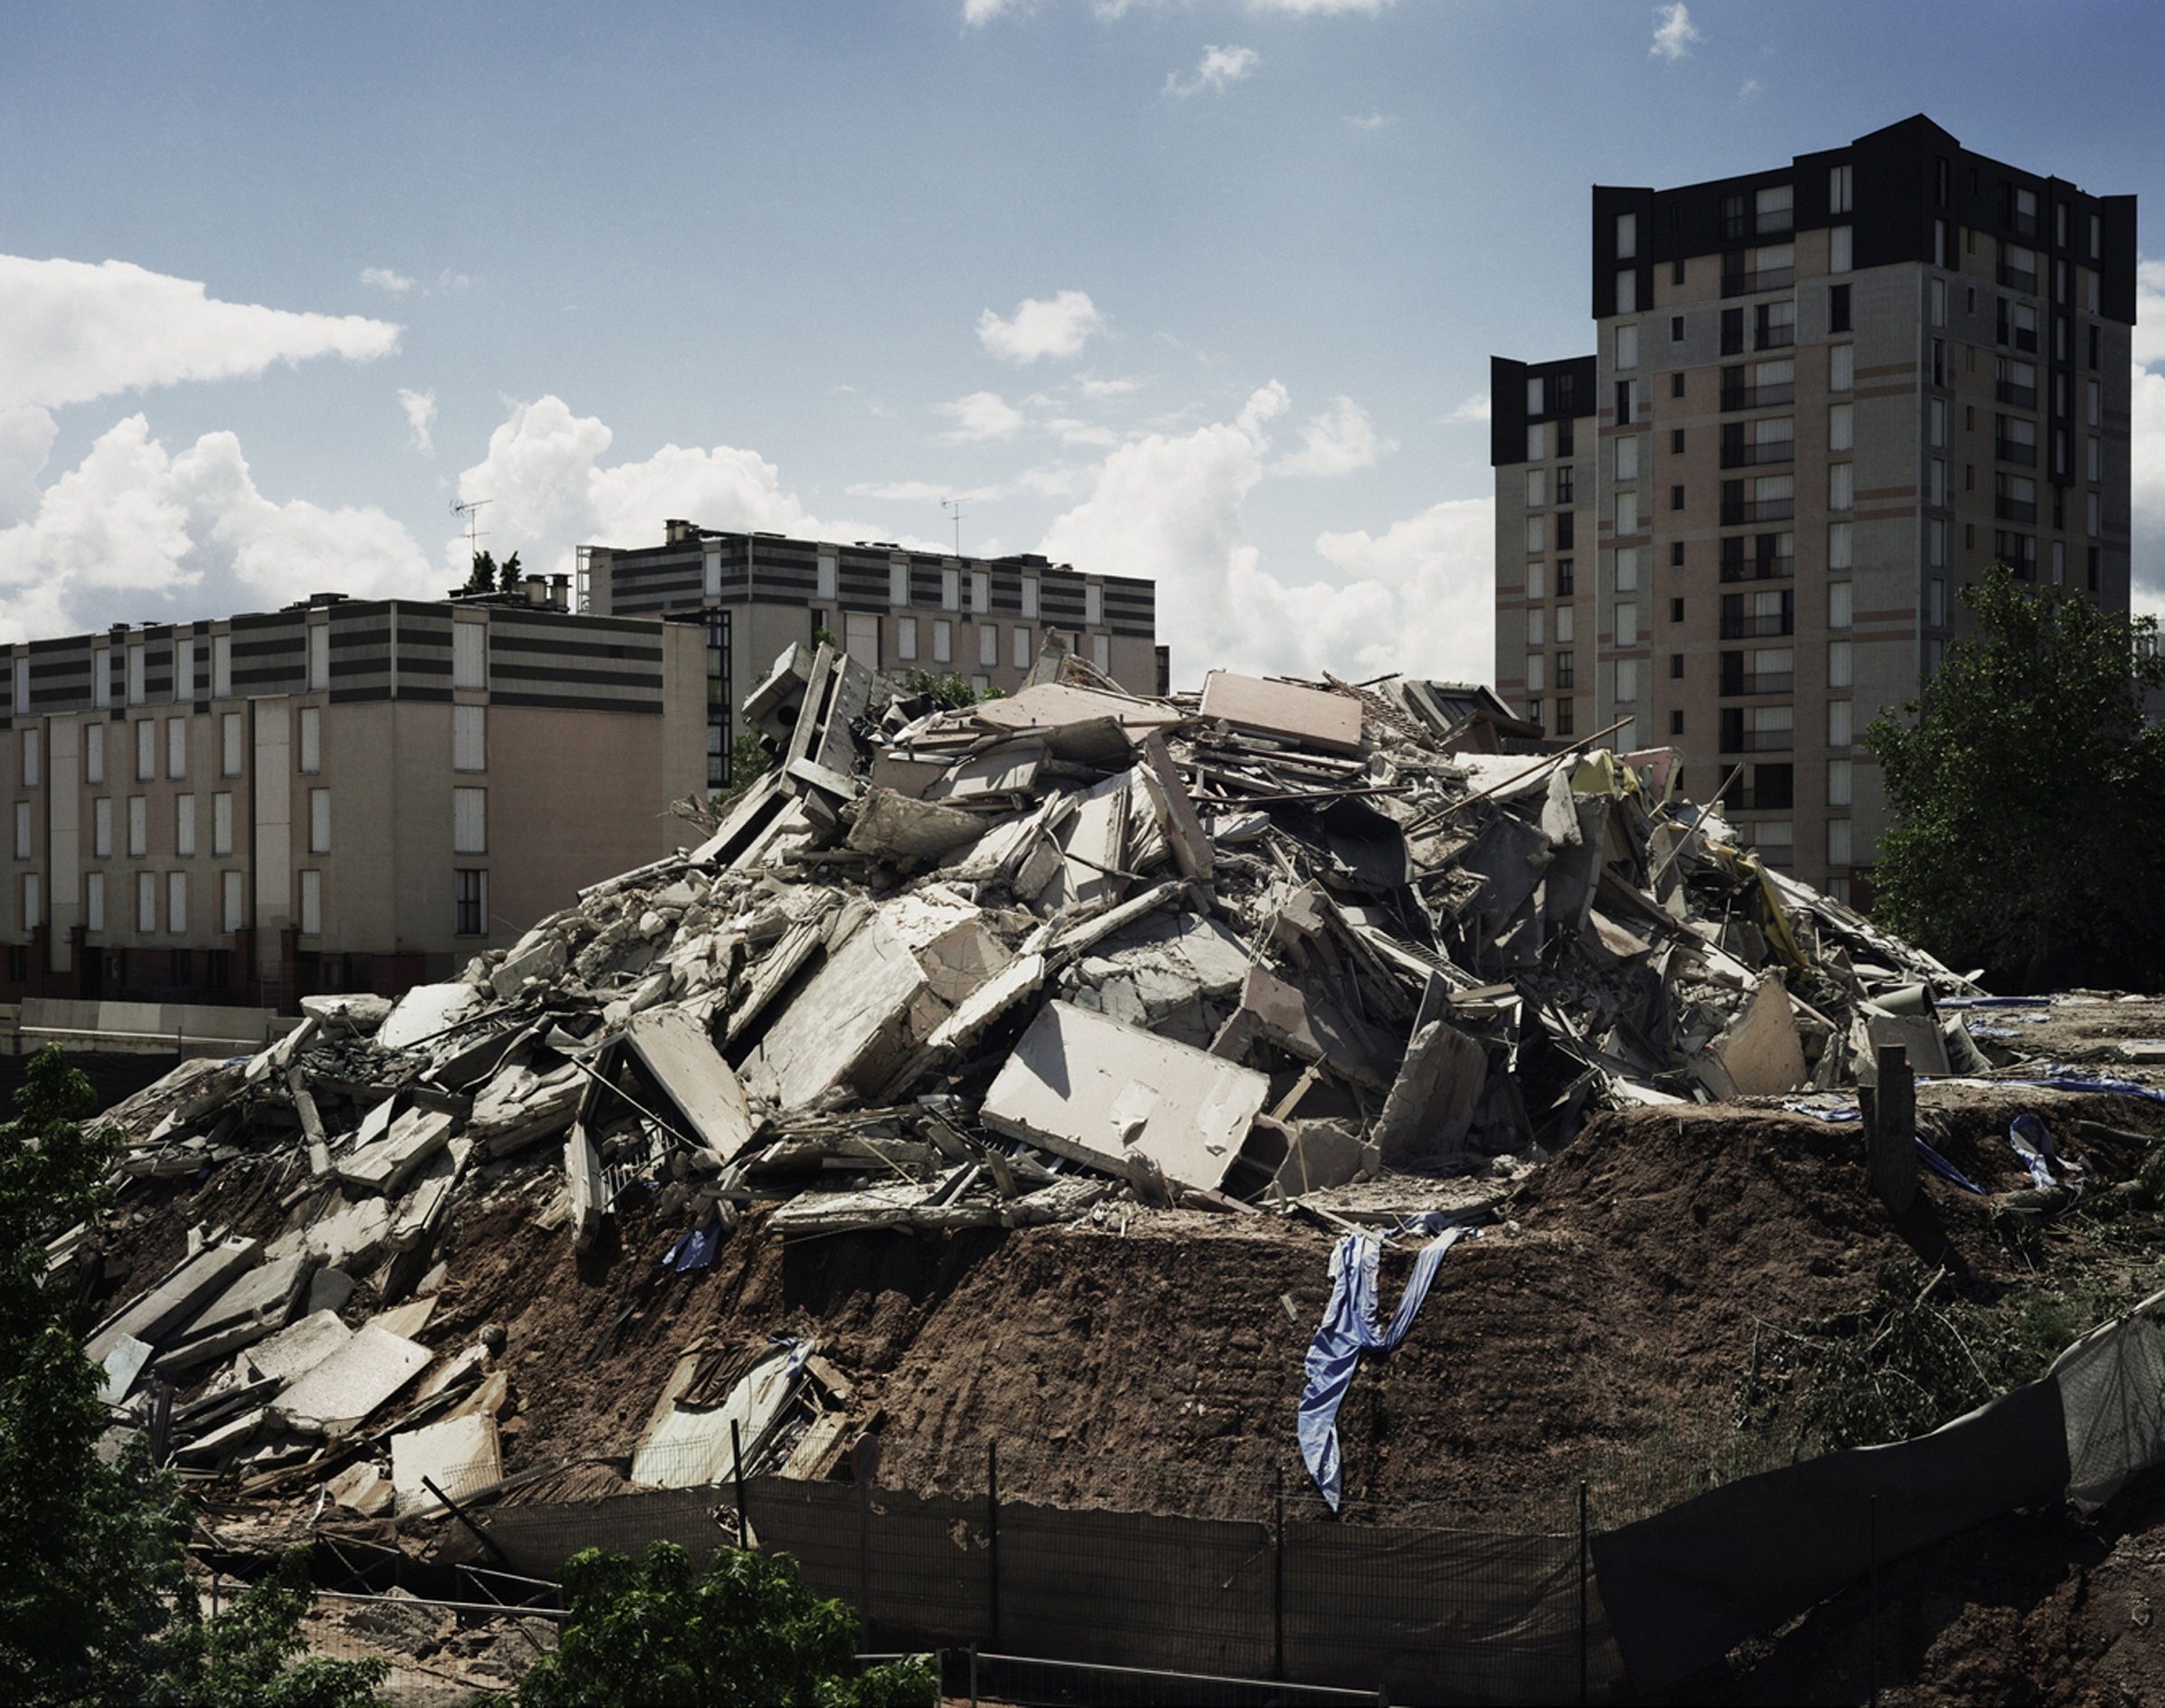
(981, 11)
(420, 417)
(2147, 494)
(1054, 325)
(1474, 408)
(1109, 388)
(1265, 8)
(1069, 431)
(1415, 598)
(1339, 441)
(78, 331)
(1218, 70)
(1674, 32)
(1371, 121)
(902, 492)
(1749, 88)
(981, 416)
(2150, 313)
(26, 437)
(383, 279)
(135, 533)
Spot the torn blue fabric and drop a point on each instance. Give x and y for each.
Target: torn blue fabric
(1946, 1171)
(2074, 1079)
(1349, 1329)
(693, 1249)
(2033, 1143)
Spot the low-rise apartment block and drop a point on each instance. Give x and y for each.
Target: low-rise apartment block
(891, 608)
(343, 795)
(1824, 397)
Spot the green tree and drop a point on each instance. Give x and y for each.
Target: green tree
(749, 761)
(95, 1604)
(2028, 795)
(481, 576)
(948, 690)
(511, 573)
(745, 1631)
(247, 1654)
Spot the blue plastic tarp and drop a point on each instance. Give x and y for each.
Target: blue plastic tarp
(1349, 1329)
(693, 1249)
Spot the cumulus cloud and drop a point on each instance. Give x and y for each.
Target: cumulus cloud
(135, 533)
(383, 279)
(1370, 122)
(1674, 32)
(26, 437)
(1218, 70)
(1054, 326)
(1069, 431)
(1748, 89)
(1109, 388)
(78, 331)
(1414, 597)
(1339, 441)
(981, 416)
(1474, 408)
(420, 418)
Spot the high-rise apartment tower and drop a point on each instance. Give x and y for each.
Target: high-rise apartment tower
(1824, 397)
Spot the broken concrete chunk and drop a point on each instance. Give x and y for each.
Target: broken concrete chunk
(1328, 722)
(159, 1315)
(386, 1166)
(352, 1382)
(895, 827)
(1430, 1107)
(460, 1455)
(425, 1011)
(1758, 1054)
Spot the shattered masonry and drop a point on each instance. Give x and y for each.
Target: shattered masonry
(1273, 950)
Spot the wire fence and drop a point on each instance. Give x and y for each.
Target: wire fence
(439, 1654)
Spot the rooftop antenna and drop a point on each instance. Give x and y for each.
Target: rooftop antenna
(953, 506)
(472, 512)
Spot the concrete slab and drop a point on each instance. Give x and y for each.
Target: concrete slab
(679, 1052)
(866, 1007)
(353, 1382)
(424, 1010)
(159, 1315)
(123, 1365)
(1759, 1054)
(387, 1165)
(896, 827)
(1431, 1104)
(692, 1446)
(297, 1348)
(1106, 1095)
(458, 1455)
(1328, 722)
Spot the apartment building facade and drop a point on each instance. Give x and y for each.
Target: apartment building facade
(342, 794)
(891, 608)
(1824, 397)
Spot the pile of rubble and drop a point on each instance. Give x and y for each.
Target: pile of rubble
(1029, 960)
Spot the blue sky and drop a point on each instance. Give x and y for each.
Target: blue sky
(1204, 290)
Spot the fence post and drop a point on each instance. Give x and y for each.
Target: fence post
(744, 1529)
(972, 1675)
(992, 1537)
(1582, 1592)
(1277, 1595)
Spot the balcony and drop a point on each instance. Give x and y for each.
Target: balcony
(1764, 683)
(1759, 626)
(2015, 510)
(2008, 451)
(1736, 514)
(1758, 453)
(1759, 741)
(1770, 278)
(1757, 397)
(2018, 278)
(1775, 567)
(2019, 397)
(1776, 338)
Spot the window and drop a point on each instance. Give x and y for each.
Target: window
(1101, 655)
(1627, 512)
(319, 821)
(1566, 723)
(1019, 649)
(222, 825)
(1563, 578)
(1627, 345)
(1535, 635)
(101, 827)
(1627, 681)
(827, 578)
(2096, 568)
(1774, 325)
(1936, 418)
(34, 746)
(93, 753)
(176, 901)
(101, 676)
(1676, 498)
(2059, 561)
(1839, 186)
(1627, 458)
(1567, 670)
(1536, 665)
(2093, 400)
(1676, 329)
(1838, 841)
(1676, 441)
(470, 902)
(1838, 723)
(1536, 535)
(2091, 516)
(135, 672)
(1565, 484)
(470, 820)
(906, 637)
(1838, 782)
(319, 655)
(183, 826)
(469, 737)
(1537, 442)
(950, 589)
(988, 645)
(943, 641)
(138, 826)
(1537, 488)
(1564, 624)
(1732, 331)
(1676, 384)
(897, 581)
(1676, 667)
(22, 829)
(147, 902)
(1676, 609)
(1839, 545)
(1773, 208)
(312, 903)
(235, 900)
(93, 900)
(1623, 403)
(1837, 309)
(1842, 367)
(1534, 404)
(1841, 430)
(1676, 554)
(1839, 261)
(1838, 664)
(312, 741)
(1627, 569)
(1627, 623)
(711, 554)
(1840, 485)
(1627, 236)
(981, 590)
(1939, 302)
(228, 734)
(1537, 581)
(1839, 603)
(1627, 291)
(469, 655)
(147, 750)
